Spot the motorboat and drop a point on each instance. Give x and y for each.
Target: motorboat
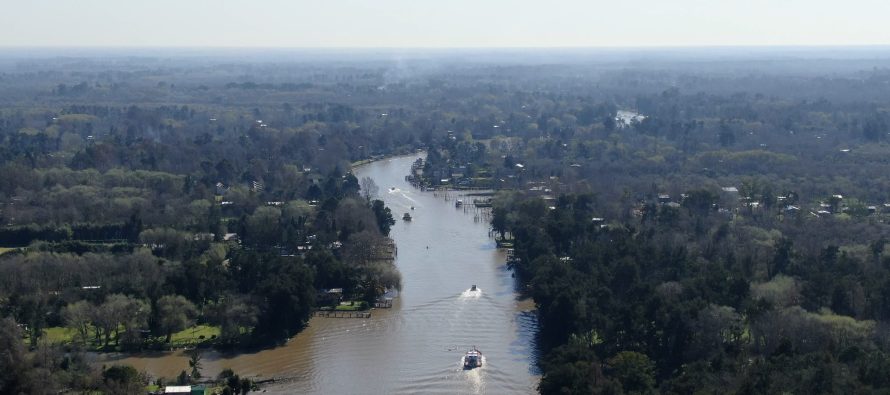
(412, 207)
(458, 203)
(406, 217)
(473, 359)
(473, 288)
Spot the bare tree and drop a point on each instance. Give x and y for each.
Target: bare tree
(369, 188)
(363, 247)
(78, 316)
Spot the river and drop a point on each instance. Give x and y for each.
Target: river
(417, 346)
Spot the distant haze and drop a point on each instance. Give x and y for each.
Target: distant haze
(442, 24)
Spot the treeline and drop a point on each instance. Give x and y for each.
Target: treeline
(289, 253)
(24, 235)
(680, 300)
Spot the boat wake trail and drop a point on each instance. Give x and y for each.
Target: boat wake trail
(470, 293)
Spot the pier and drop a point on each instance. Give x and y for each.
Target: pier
(341, 314)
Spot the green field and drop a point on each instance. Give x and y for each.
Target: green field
(193, 335)
(351, 306)
(59, 335)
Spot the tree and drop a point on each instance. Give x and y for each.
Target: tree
(166, 242)
(233, 314)
(79, 316)
(634, 371)
(571, 369)
(363, 247)
(700, 201)
(174, 313)
(499, 220)
(264, 227)
(288, 292)
(195, 363)
(12, 358)
(123, 379)
(383, 215)
(369, 188)
(109, 315)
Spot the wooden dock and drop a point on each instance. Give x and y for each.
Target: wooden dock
(341, 314)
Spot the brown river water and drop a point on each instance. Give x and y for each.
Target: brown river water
(417, 346)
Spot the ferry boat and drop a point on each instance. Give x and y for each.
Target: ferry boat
(473, 359)
(406, 217)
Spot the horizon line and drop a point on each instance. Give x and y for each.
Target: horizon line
(575, 47)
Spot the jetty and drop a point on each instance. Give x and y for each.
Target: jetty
(341, 314)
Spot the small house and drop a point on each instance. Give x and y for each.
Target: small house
(232, 238)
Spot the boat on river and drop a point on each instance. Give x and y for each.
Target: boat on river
(406, 217)
(458, 203)
(473, 288)
(473, 359)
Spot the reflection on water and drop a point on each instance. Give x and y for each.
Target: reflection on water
(411, 348)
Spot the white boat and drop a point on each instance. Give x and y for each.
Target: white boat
(473, 359)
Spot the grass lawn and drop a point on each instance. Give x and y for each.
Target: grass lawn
(190, 336)
(193, 334)
(346, 306)
(59, 334)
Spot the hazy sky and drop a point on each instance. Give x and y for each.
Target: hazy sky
(442, 23)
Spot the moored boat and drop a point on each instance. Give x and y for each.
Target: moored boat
(406, 217)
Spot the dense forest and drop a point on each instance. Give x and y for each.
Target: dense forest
(684, 221)
(128, 223)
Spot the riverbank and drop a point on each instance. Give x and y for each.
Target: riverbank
(441, 253)
(376, 158)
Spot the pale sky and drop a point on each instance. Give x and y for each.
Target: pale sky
(442, 23)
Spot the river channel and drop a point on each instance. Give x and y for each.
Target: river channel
(417, 345)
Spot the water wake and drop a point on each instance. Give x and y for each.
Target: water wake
(471, 294)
